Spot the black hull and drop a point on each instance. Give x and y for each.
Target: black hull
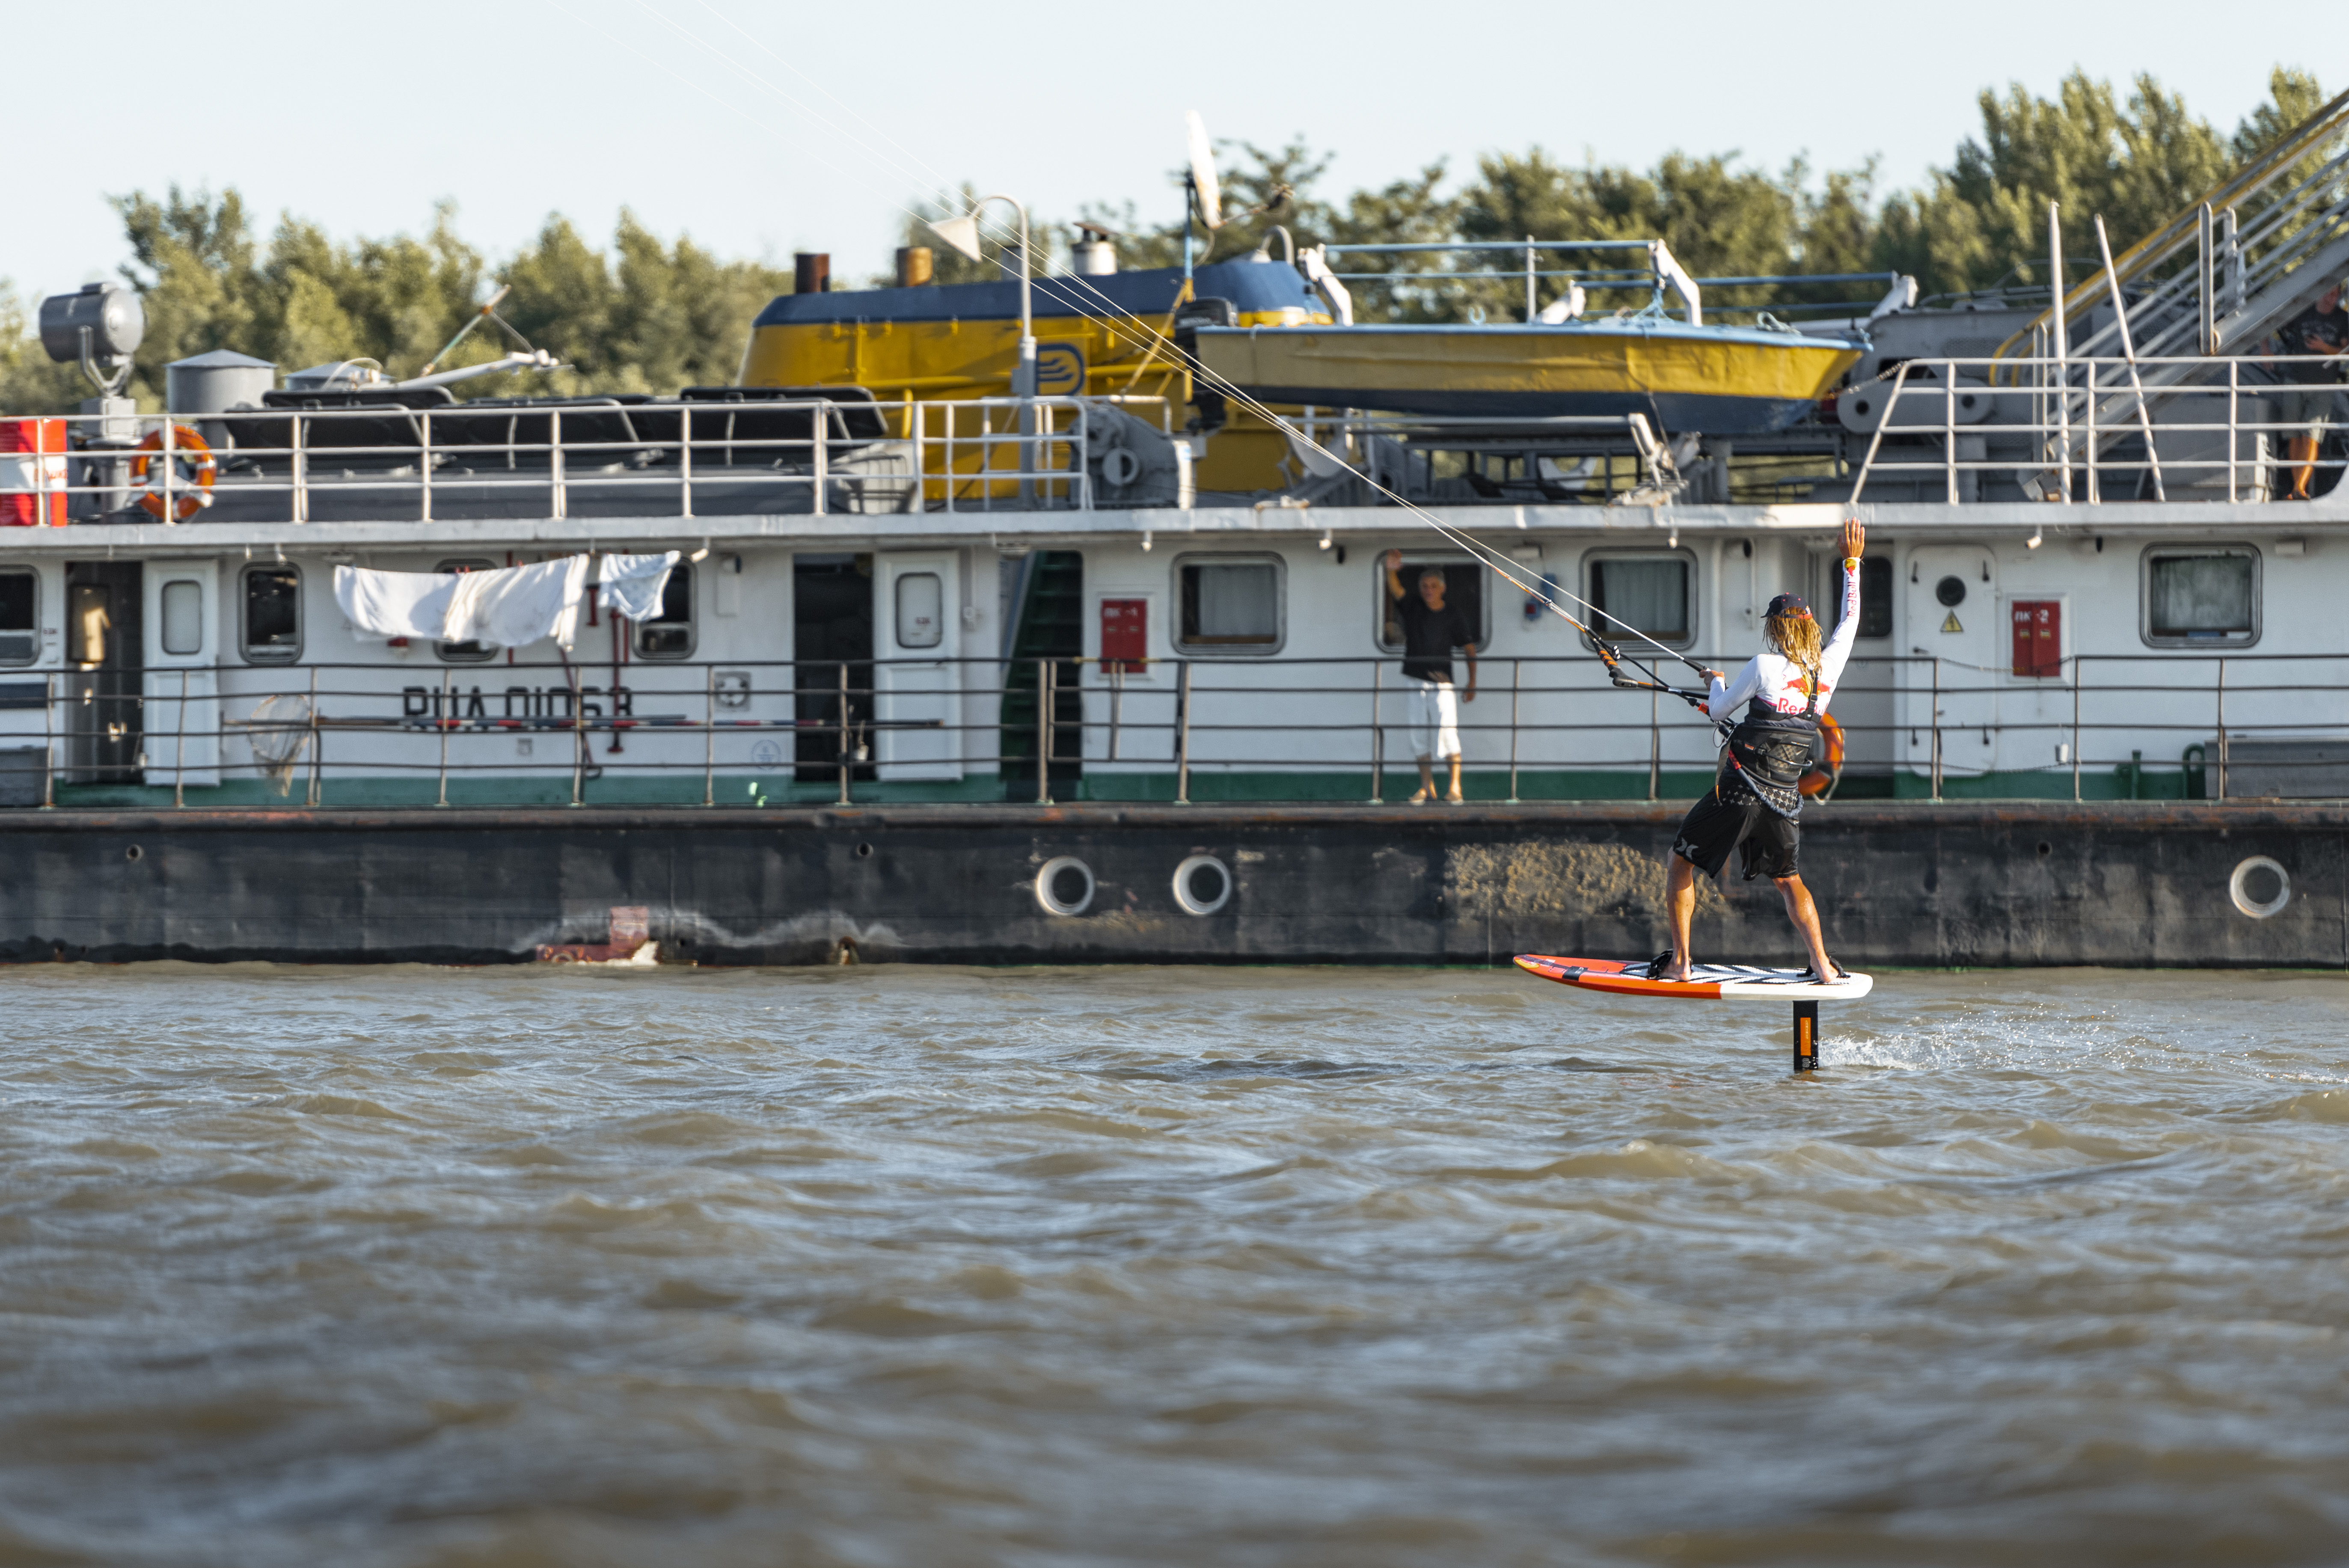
(2133, 885)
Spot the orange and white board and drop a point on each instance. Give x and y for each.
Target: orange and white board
(1706, 982)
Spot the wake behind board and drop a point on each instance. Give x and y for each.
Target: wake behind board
(1706, 982)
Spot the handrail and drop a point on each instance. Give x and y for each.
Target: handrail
(1219, 723)
(2087, 417)
(2166, 241)
(949, 449)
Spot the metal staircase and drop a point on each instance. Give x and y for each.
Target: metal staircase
(2217, 280)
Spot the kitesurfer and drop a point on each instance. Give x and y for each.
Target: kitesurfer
(1757, 795)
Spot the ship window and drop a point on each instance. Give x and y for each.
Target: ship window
(921, 610)
(1875, 595)
(465, 652)
(20, 606)
(273, 614)
(1649, 591)
(670, 633)
(1228, 605)
(2201, 596)
(183, 617)
(1463, 589)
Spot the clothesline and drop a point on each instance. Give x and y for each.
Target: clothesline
(507, 607)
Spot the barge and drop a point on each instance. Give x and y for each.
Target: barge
(991, 671)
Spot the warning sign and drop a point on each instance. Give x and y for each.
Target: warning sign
(1951, 624)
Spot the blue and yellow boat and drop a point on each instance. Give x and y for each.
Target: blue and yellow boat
(1097, 335)
(1720, 380)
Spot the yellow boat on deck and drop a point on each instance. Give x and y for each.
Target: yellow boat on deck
(1721, 380)
(1098, 334)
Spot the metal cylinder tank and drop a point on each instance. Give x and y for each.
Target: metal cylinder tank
(215, 383)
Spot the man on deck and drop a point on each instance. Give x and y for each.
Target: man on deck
(1757, 795)
(1430, 630)
(2314, 404)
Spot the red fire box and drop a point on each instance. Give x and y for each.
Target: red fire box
(1125, 634)
(32, 472)
(2039, 638)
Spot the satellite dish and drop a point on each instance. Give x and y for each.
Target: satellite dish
(961, 233)
(1203, 172)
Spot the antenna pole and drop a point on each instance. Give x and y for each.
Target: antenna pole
(1190, 205)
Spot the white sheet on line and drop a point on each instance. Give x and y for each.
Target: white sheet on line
(633, 583)
(509, 608)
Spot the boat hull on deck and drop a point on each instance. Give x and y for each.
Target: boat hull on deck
(1721, 380)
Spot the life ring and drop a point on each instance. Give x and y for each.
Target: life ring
(186, 443)
(1821, 780)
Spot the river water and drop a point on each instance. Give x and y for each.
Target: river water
(1062, 1266)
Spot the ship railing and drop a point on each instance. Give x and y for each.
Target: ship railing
(2247, 256)
(2091, 430)
(2239, 725)
(1660, 275)
(434, 463)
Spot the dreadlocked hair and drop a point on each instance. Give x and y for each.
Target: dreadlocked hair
(1797, 638)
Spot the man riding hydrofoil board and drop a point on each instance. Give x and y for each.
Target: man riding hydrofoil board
(1756, 797)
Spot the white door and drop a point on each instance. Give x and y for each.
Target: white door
(182, 614)
(917, 687)
(1951, 620)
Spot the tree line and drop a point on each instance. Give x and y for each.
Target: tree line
(649, 315)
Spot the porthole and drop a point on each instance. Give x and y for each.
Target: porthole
(2260, 887)
(135, 852)
(1951, 591)
(1065, 885)
(865, 851)
(1202, 884)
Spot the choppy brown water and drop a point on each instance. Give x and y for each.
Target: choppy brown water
(906, 1265)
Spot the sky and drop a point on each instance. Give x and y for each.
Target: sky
(765, 127)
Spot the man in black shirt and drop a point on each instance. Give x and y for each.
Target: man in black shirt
(1430, 630)
(2316, 405)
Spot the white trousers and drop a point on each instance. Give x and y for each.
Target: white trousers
(1435, 719)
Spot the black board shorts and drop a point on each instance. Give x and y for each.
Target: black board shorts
(1726, 819)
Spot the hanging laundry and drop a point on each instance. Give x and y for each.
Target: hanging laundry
(518, 605)
(633, 583)
(510, 607)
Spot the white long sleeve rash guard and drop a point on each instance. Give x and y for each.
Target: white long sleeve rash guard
(1778, 680)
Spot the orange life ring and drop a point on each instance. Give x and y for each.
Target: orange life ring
(190, 501)
(1819, 780)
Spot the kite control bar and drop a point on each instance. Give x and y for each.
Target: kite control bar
(1625, 681)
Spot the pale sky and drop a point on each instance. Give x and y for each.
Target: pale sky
(762, 127)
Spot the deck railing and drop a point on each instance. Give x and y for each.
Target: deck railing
(2216, 725)
(2068, 429)
(960, 454)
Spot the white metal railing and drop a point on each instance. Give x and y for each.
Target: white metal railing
(2069, 423)
(960, 454)
(2184, 725)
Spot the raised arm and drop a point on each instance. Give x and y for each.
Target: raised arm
(1837, 652)
(1394, 573)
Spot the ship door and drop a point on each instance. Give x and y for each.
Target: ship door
(917, 600)
(832, 672)
(105, 643)
(1951, 624)
(182, 615)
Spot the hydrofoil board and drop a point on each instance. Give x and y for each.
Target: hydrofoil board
(1706, 980)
